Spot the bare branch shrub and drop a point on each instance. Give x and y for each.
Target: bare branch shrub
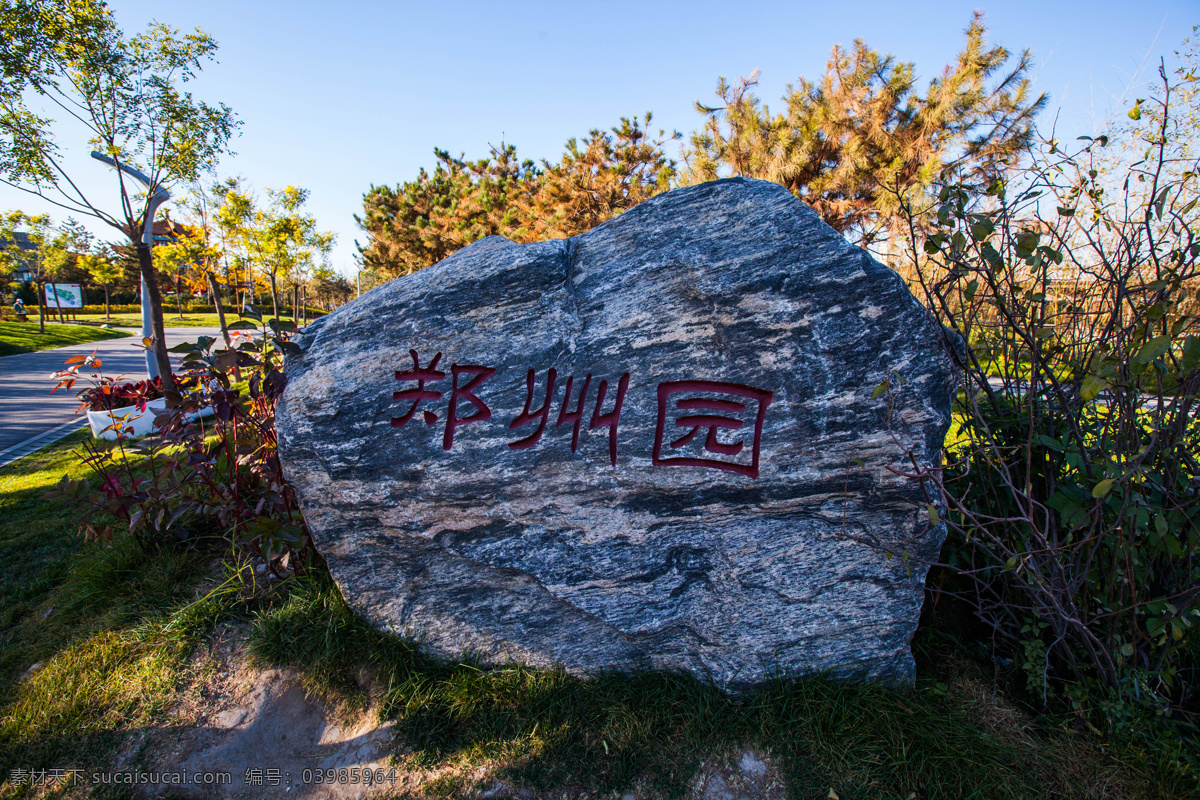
(1068, 292)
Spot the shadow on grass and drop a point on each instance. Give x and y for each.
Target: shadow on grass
(81, 645)
(111, 626)
(51, 461)
(109, 667)
(547, 729)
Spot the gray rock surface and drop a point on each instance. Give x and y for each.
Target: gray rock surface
(730, 524)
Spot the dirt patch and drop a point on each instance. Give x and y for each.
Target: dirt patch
(749, 775)
(237, 731)
(240, 732)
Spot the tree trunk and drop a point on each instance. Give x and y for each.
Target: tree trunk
(41, 294)
(216, 296)
(146, 264)
(274, 296)
(107, 309)
(178, 297)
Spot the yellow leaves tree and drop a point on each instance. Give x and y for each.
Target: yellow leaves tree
(69, 70)
(103, 270)
(187, 259)
(37, 228)
(279, 237)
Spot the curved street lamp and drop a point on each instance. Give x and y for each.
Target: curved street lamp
(157, 199)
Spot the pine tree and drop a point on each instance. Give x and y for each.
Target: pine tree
(855, 144)
(606, 174)
(419, 223)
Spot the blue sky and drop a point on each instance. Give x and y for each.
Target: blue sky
(337, 96)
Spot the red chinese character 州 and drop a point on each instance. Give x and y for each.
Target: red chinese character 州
(610, 419)
(714, 414)
(542, 414)
(575, 416)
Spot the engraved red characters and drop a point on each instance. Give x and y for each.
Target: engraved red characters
(610, 419)
(717, 407)
(540, 416)
(466, 392)
(420, 393)
(737, 405)
(463, 392)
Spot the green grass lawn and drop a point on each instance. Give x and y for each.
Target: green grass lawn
(170, 320)
(23, 337)
(95, 638)
(952, 736)
(87, 648)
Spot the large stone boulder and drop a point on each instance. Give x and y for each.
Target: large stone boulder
(652, 446)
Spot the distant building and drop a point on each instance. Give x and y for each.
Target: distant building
(165, 230)
(26, 246)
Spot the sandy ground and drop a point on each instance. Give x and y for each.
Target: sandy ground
(242, 732)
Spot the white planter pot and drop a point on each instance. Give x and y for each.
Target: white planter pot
(142, 422)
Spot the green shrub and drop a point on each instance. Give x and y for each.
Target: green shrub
(202, 474)
(1069, 297)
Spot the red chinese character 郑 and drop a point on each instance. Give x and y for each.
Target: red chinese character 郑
(746, 402)
(467, 392)
(540, 416)
(420, 393)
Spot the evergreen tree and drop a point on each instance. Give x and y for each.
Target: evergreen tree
(422, 222)
(419, 223)
(609, 173)
(856, 143)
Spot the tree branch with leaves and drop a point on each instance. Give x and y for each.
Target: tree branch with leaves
(67, 67)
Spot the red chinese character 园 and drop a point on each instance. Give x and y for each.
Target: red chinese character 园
(745, 402)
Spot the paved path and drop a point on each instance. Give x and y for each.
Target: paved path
(27, 408)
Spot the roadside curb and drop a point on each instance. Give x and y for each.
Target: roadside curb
(35, 443)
